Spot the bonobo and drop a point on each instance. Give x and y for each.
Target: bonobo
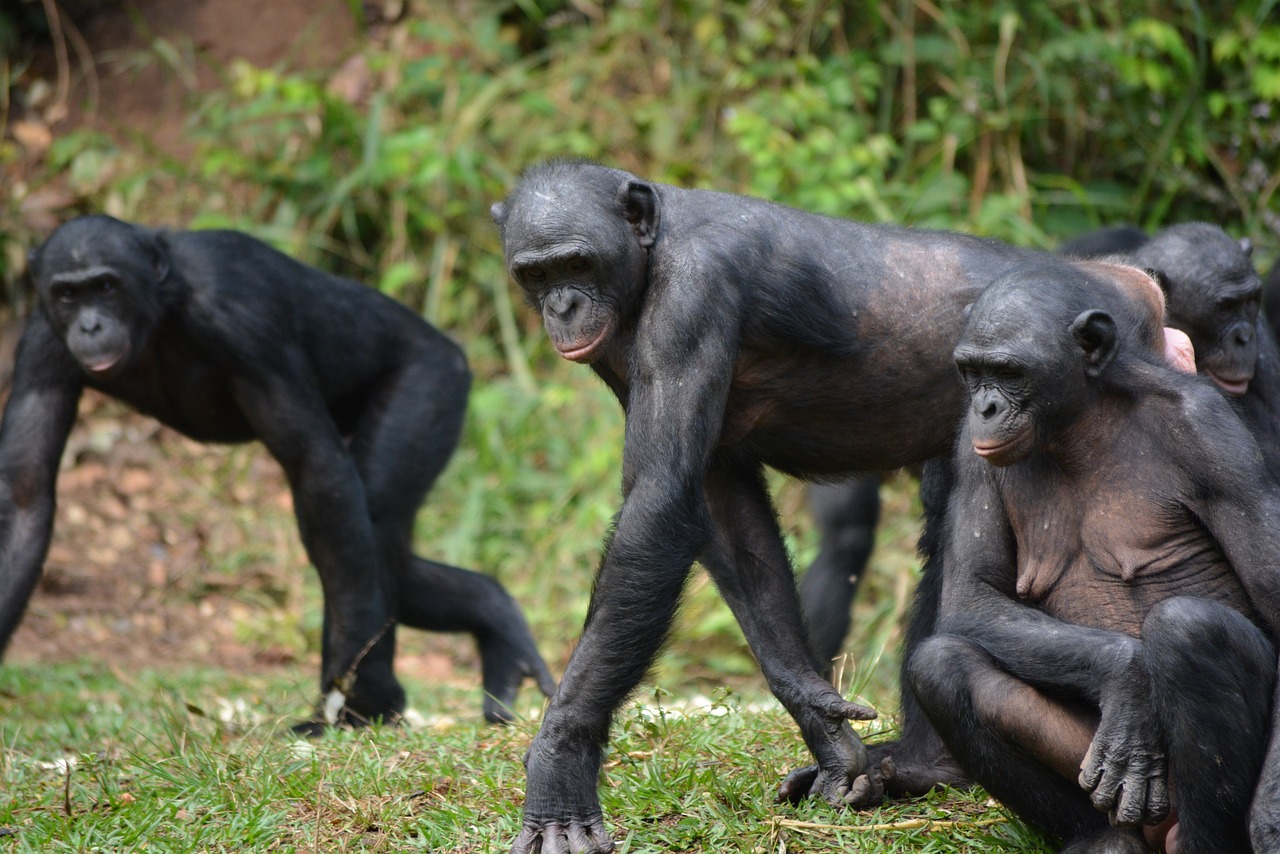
(225, 339)
(735, 333)
(1106, 636)
(1214, 295)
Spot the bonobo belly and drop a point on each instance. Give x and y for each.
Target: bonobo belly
(1091, 595)
(834, 419)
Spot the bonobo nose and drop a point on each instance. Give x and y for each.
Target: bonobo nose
(563, 304)
(987, 405)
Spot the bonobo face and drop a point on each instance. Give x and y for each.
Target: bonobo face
(1025, 367)
(1213, 295)
(96, 281)
(576, 243)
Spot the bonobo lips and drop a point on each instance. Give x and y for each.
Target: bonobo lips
(987, 448)
(1232, 387)
(586, 351)
(105, 364)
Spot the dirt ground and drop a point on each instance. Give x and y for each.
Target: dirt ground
(167, 552)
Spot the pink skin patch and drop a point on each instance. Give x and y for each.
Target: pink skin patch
(1179, 353)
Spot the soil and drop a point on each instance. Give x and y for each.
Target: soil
(166, 552)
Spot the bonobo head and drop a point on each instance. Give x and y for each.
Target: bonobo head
(576, 238)
(97, 279)
(1213, 296)
(1035, 344)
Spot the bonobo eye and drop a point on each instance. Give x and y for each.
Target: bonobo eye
(533, 274)
(578, 265)
(1006, 374)
(105, 285)
(64, 294)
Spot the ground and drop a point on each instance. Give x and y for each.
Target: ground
(165, 550)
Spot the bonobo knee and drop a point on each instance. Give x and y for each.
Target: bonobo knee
(1182, 627)
(932, 670)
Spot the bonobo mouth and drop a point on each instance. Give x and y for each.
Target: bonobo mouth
(587, 351)
(1231, 387)
(105, 364)
(988, 448)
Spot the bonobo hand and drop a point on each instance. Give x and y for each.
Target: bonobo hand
(561, 811)
(1125, 771)
(838, 777)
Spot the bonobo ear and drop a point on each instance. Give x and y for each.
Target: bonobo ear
(639, 203)
(1095, 332)
(499, 213)
(1246, 246)
(155, 243)
(1161, 279)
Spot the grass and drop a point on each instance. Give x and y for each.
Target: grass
(195, 760)
(106, 755)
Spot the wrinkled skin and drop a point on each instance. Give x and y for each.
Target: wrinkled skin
(226, 340)
(1103, 652)
(736, 334)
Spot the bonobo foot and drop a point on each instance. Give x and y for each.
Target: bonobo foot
(889, 773)
(561, 810)
(1113, 840)
(823, 718)
(506, 658)
(340, 710)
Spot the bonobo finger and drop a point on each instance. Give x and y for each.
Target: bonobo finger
(857, 712)
(799, 784)
(1131, 804)
(1090, 771)
(528, 842)
(1108, 789)
(554, 840)
(834, 792)
(584, 840)
(1157, 799)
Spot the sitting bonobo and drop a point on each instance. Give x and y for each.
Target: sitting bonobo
(225, 339)
(1110, 594)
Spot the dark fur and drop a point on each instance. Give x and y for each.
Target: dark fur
(736, 333)
(1110, 580)
(225, 339)
(1213, 295)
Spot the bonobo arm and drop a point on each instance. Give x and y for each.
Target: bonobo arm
(1238, 501)
(37, 420)
(1125, 771)
(681, 366)
(287, 412)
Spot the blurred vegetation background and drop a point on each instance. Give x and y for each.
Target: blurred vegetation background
(1024, 122)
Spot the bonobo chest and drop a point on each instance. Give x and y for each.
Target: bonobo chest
(1102, 551)
(177, 386)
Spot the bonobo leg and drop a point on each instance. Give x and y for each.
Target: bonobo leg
(1212, 676)
(917, 760)
(748, 561)
(845, 515)
(1264, 815)
(1211, 673)
(1024, 748)
(442, 598)
(403, 440)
